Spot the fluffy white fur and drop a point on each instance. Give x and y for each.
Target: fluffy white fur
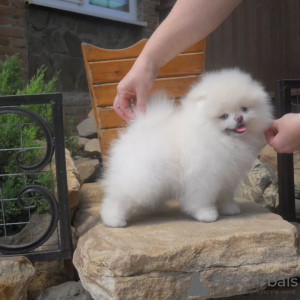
(197, 152)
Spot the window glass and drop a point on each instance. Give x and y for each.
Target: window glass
(122, 5)
(119, 10)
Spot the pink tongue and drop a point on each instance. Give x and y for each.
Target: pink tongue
(241, 128)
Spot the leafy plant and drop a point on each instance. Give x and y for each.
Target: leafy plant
(10, 76)
(37, 84)
(18, 132)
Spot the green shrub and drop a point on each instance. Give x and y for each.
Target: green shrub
(32, 136)
(10, 76)
(37, 84)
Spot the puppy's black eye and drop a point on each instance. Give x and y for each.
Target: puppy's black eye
(244, 109)
(224, 117)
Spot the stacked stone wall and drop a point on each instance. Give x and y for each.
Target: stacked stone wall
(54, 40)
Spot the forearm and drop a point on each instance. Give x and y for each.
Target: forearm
(189, 22)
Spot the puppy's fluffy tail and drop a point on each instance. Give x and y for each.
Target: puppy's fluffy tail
(159, 107)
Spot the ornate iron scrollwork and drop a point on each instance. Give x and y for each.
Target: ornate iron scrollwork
(43, 125)
(16, 249)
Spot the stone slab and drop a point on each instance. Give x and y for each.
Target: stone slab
(88, 168)
(16, 274)
(81, 142)
(87, 128)
(156, 256)
(66, 291)
(92, 149)
(88, 212)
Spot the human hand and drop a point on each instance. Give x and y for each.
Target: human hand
(135, 86)
(284, 134)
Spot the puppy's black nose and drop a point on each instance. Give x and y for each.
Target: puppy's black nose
(239, 118)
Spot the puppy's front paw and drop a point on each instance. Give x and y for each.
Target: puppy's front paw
(229, 208)
(207, 215)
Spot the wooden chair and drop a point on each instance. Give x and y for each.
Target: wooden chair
(105, 68)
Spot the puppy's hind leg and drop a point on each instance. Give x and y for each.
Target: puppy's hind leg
(226, 205)
(114, 212)
(200, 205)
(207, 214)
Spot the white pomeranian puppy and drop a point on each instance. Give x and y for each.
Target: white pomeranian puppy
(197, 153)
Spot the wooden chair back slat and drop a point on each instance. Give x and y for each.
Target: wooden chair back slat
(109, 119)
(105, 68)
(175, 87)
(114, 70)
(94, 53)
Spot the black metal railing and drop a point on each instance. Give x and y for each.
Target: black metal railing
(34, 213)
(286, 100)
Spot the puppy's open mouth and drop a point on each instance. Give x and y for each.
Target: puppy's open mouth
(239, 129)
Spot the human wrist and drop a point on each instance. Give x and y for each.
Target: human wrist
(147, 63)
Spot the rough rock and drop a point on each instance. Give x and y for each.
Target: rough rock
(73, 190)
(92, 148)
(87, 128)
(15, 276)
(48, 273)
(88, 169)
(81, 142)
(157, 257)
(67, 291)
(41, 19)
(91, 113)
(280, 291)
(52, 243)
(73, 43)
(24, 236)
(73, 180)
(297, 177)
(88, 213)
(277, 293)
(268, 156)
(259, 185)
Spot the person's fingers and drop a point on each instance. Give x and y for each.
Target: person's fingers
(123, 109)
(272, 137)
(127, 110)
(123, 105)
(271, 132)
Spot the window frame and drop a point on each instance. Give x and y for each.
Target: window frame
(84, 7)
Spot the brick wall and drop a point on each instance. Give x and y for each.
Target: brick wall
(12, 31)
(151, 16)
